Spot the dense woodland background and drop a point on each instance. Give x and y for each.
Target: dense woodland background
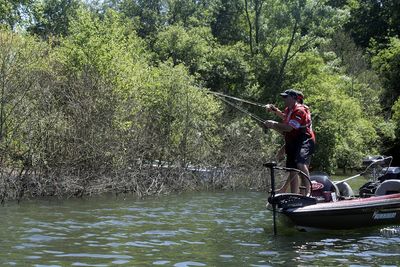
(112, 95)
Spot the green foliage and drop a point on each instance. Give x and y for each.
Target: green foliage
(121, 83)
(147, 14)
(387, 63)
(345, 131)
(12, 12)
(108, 46)
(52, 17)
(190, 13)
(289, 28)
(396, 111)
(227, 70)
(396, 118)
(248, 148)
(227, 26)
(22, 62)
(184, 46)
(158, 107)
(99, 67)
(179, 119)
(371, 19)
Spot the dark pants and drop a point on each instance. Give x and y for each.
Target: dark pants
(299, 151)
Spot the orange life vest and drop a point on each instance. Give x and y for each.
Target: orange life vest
(299, 118)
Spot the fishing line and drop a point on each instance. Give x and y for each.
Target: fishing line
(255, 117)
(237, 99)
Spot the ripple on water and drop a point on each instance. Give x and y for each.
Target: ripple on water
(28, 246)
(164, 243)
(161, 233)
(209, 229)
(189, 263)
(249, 244)
(139, 244)
(34, 230)
(161, 262)
(226, 256)
(193, 242)
(95, 256)
(113, 222)
(42, 238)
(268, 253)
(120, 262)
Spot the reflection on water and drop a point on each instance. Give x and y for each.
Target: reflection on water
(197, 229)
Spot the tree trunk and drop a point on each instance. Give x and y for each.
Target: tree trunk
(250, 27)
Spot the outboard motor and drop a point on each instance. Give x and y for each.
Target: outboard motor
(322, 187)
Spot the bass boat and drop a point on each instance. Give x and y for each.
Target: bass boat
(333, 205)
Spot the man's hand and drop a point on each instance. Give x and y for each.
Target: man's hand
(271, 108)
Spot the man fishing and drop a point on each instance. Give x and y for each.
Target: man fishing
(299, 136)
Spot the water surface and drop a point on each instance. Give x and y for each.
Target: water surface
(193, 229)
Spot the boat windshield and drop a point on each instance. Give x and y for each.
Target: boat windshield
(377, 167)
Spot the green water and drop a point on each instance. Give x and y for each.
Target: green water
(197, 229)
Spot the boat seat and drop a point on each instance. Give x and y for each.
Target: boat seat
(388, 187)
(322, 184)
(345, 189)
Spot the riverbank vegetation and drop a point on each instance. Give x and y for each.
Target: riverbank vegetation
(113, 95)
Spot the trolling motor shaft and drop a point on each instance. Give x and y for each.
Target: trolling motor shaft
(271, 166)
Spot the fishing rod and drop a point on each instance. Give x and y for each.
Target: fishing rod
(237, 99)
(255, 117)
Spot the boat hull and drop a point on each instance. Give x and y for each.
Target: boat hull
(347, 214)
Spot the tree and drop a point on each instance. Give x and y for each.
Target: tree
(130, 110)
(146, 14)
(350, 60)
(20, 60)
(345, 132)
(395, 144)
(227, 26)
(12, 12)
(288, 28)
(52, 17)
(22, 124)
(182, 12)
(396, 119)
(187, 46)
(178, 120)
(98, 66)
(387, 63)
(227, 70)
(253, 11)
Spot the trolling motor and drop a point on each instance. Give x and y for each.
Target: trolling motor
(271, 166)
(286, 201)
